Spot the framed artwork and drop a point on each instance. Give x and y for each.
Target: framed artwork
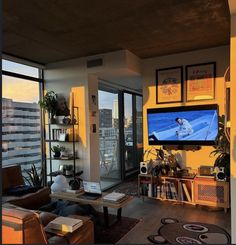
(200, 81)
(169, 85)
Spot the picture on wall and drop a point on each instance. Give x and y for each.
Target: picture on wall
(169, 83)
(200, 81)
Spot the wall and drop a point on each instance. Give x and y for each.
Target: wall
(149, 66)
(233, 119)
(61, 77)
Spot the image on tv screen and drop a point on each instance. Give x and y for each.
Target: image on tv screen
(195, 125)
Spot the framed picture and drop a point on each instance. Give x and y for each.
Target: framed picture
(200, 81)
(169, 85)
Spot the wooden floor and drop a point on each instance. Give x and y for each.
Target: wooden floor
(151, 211)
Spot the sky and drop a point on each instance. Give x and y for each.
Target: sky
(18, 89)
(105, 101)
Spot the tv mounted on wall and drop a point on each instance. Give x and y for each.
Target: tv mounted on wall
(185, 125)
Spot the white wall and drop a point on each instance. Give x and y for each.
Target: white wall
(61, 77)
(149, 66)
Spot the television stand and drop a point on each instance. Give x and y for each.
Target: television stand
(196, 191)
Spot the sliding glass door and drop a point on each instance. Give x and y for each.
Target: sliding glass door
(120, 135)
(110, 170)
(133, 132)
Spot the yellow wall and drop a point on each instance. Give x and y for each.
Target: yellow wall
(149, 66)
(233, 125)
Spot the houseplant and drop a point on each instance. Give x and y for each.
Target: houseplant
(35, 178)
(222, 147)
(57, 149)
(49, 104)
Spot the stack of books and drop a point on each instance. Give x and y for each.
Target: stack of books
(65, 224)
(114, 197)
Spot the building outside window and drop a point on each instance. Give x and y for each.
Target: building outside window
(21, 116)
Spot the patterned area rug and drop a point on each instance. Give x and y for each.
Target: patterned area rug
(114, 233)
(176, 232)
(129, 187)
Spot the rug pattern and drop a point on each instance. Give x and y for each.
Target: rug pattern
(175, 232)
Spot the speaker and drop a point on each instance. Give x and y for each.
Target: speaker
(220, 174)
(145, 167)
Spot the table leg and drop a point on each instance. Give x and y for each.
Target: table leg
(106, 216)
(119, 214)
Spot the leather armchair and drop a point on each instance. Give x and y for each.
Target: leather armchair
(12, 177)
(22, 226)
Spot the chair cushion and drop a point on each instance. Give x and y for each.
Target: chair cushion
(32, 200)
(21, 190)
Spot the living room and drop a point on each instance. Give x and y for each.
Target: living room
(83, 91)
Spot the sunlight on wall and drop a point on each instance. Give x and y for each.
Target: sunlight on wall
(221, 56)
(80, 101)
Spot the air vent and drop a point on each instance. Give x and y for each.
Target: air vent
(94, 63)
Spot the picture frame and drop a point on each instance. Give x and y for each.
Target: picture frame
(169, 85)
(200, 81)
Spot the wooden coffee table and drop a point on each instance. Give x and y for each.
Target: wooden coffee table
(98, 202)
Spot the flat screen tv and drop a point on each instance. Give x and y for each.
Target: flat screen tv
(185, 125)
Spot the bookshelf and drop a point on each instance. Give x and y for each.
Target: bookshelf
(166, 188)
(195, 191)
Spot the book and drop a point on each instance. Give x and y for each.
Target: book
(149, 190)
(163, 191)
(114, 197)
(168, 191)
(158, 191)
(186, 192)
(181, 196)
(173, 191)
(81, 190)
(65, 224)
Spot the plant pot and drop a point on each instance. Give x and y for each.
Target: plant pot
(57, 154)
(75, 184)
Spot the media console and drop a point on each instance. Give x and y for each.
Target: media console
(195, 191)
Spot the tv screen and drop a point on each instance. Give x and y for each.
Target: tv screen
(187, 125)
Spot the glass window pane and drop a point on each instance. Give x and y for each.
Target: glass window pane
(128, 132)
(21, 125)
(109, 138)
(139, 127)
(20, 68)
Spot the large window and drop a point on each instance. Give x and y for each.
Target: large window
(21, 118)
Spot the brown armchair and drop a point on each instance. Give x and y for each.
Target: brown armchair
(12, 177)
(22, 226)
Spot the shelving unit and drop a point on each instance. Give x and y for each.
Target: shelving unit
(167, 188)
(72, 141)
(195, 191)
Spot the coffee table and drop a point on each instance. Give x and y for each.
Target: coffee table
(98, 202)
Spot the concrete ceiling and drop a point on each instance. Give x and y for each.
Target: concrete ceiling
(47, 31)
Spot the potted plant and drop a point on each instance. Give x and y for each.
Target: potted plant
(49, 103)
(76, 183)
(57, 149)
(35, 178)
(222, 148)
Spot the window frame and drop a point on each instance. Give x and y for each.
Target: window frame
(39, 80)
